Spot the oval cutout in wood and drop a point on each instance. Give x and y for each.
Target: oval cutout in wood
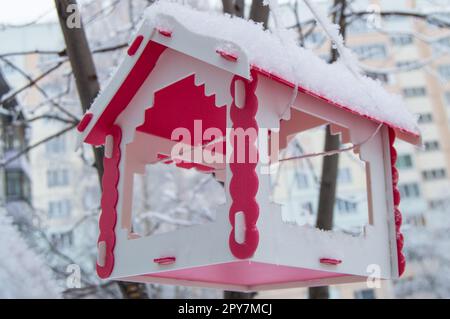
(239, 93)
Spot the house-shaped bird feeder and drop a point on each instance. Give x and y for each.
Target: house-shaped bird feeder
(185, 66)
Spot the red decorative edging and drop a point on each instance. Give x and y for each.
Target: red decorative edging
(121, 99)
(110, 196)
(165, 260)
(244, 181)
(397, 213)
(330, 261)
(227, 56)
(186, 165)
(165, 33)
(135, 45)
(84, 121)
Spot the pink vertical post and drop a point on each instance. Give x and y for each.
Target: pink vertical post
(110, 197)
(244, 181)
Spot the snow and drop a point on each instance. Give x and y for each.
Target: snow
(23, 274)
(301, 67)
(333, 33)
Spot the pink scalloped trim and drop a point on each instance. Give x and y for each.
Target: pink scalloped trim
(244, 181)
(397, 213)
(110, 196)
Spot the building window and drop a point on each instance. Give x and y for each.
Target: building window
(409, 190)
(345, 206)
(365, 294)
(447, 99)
(441, 45)
(414, 92)
(301, 180)
(57, 177)
(56, 145)
(431, 146)
(438, 203)
(401, 40)
(358, 26)
(17, 185)
(444, 72)
(13, 137)
(425, 118)
(370, 51)
(404, 161)
(447, 103)
(315, 38)
(395, 22)
(307, 208)
(62, 240)
(59, 209)
(440, 19)
(382, 77)
(416, 220)
(433, 174)
(344, 175)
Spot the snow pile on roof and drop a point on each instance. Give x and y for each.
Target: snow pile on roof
(287, 60)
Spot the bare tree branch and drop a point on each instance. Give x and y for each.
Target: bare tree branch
(431, 18)
(50, 117)
(63, 53)
(42, 91)
(32, 82)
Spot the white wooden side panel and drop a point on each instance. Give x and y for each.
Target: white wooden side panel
(294, 245)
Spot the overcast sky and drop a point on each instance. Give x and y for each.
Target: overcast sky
(23, 11)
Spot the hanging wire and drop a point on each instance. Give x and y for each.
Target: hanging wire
(333, 152)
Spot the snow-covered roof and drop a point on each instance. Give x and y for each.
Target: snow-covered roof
(285, 59)
(277, 56)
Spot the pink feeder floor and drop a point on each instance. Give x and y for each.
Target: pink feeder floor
(245, 273)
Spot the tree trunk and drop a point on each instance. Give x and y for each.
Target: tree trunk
(88, 87)
(234, 7)
(239, 8)
(330, 165)
(259, 12)
(228, 6)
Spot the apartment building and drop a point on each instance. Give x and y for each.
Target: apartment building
(411, 58)
(15, 190)
(57, 184)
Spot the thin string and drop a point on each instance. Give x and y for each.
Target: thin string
(309, 155)
(333, 152)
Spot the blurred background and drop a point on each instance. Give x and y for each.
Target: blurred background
(49, 190)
